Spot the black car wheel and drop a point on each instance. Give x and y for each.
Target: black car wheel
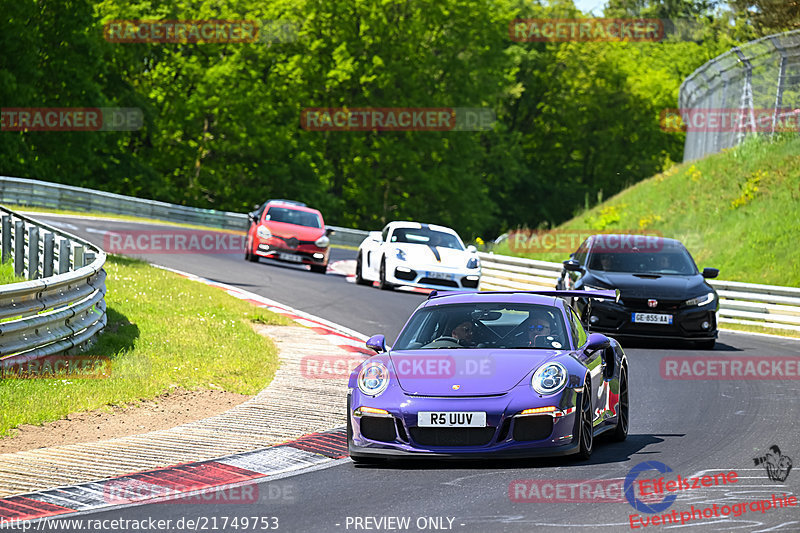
(706, 345)
(586, 435)
(248, 254)
(383, 284)
(319, 269)
(621, 431)
(359, 276)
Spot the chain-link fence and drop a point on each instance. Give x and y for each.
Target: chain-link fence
(751, 88)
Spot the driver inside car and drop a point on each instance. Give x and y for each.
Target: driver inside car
(460, 336)
(537, 331)
(463, 333)
(541, 334)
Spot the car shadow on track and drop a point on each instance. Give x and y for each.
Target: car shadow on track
(672, 344)
(604, 453)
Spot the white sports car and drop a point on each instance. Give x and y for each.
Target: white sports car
(422, 255)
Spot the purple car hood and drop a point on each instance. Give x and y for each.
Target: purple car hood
(465, 372)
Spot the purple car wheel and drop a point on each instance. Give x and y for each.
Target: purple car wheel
(621, 431)
(586, 427)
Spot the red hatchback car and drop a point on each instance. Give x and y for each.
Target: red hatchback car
(288, 231)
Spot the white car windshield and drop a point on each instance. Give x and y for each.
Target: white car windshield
(427, 237)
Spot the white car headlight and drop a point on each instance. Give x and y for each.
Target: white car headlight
(549, 378)
(323, 242)
(473, 262)
(263, 232)
(373, 378)
(702, 300)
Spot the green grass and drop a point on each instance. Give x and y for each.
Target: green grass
(738, 211)
(7, 273)
(164, 331)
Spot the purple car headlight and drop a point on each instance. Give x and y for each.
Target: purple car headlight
(549, 379)
(373, 378)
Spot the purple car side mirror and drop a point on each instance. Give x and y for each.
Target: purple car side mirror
(597, 341)
(377, 343)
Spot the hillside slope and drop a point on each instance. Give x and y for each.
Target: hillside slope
(738, 211)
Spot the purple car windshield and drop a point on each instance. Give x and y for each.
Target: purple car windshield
(484, 325)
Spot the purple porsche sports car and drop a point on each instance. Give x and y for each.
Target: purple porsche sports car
(489, 374)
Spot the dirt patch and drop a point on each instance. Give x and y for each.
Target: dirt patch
(166, 411)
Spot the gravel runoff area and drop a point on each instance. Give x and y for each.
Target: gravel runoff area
(279, 413)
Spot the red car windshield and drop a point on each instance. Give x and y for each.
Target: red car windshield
(293, 216)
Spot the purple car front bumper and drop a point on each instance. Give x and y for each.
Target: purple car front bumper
(507, 433)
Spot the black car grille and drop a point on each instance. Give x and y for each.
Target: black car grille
(381, 429)
(533, 427)
(452, 436)
(641, 303)
(440, 282)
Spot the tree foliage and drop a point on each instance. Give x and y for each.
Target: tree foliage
(222, 120)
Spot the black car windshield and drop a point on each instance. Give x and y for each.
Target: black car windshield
(293, 216)
(677, 262)
(484, 325)
(426, 236)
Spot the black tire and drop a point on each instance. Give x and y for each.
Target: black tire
(585, 426)
(623, 420)
(248, 255)
(706, 345)
(319, 269)
(359, 278)
(383, 284)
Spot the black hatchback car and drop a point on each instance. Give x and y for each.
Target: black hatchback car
(662, 293)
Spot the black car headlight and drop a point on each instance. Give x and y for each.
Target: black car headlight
(549, 378)
(704, 299)
(400, 254)
(473, 262)
(373, 378)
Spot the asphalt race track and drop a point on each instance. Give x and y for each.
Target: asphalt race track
(694, 427)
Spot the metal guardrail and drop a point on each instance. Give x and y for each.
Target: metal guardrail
(769, 306)
(35, 193)
(760, 75)
(741, 303)
(61, 307)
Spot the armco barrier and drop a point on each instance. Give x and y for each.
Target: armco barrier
(61, 306)
(35, 193)
(769, 306)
